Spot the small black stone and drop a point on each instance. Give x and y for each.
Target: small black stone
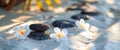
(38, 35)
(79, 16)
(95, 13)
(39, 27)
(63, 23)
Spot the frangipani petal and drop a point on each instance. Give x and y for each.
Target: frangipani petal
(77, 23)
(17, 28)
(27, 27)
(57, 30)
(28, 30)
(65, 31)
(16, 34)
(52, 35)
(81, 21)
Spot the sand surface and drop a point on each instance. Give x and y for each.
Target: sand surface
(108, 24)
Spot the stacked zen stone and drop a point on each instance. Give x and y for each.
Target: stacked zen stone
(38, 32)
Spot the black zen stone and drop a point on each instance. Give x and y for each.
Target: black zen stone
(63, 24)
(38, 36)
(39, 27)
(79, 16)
(91, 13)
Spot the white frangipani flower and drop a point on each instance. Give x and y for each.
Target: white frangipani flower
(82, 24)
(20, 31)
(61, 37)
(59, 34)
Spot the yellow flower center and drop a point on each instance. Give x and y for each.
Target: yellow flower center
(22, 31)
(81, 25)
(59, 35)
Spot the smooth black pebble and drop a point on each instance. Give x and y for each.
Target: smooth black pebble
(95, 13)
(63, 24)
(79, 16)
(39, 27)
(38, 35)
